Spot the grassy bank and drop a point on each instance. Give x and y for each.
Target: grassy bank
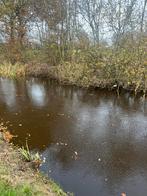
(19, 70)
(96, 70)
(18, 178)
(105, 68)
(130, 78)
(12, 71)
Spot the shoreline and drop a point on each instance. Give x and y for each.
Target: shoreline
(68, 74)
(73, 75)
(18, 175)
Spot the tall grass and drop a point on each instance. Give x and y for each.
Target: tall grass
(13, 71)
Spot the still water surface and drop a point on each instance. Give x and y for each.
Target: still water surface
(95, 143)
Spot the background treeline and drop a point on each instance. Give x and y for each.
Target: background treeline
(89, 42)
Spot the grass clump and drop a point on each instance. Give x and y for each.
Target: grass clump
(8, 190)
(28, 156)
(12, 71)
(78, 74)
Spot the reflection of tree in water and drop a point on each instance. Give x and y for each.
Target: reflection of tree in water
(126, 101)
(8, 92)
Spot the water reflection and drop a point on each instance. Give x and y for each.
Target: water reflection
(94, 142)
(37, 94)
(8, 92)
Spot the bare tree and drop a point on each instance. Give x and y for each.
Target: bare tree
(143, 15)
(92, 12)
(120, 14)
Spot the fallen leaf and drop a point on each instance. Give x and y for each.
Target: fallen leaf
(123, 194)
(7, 136)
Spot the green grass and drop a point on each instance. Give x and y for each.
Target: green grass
(56, 189)
(8, 190)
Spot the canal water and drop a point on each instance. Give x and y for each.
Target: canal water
(94, 142)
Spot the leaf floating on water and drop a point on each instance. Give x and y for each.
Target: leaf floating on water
(61, 114)
(75, 156)
(61, 144)
(123, 194)
(28, 134)
(44, 159)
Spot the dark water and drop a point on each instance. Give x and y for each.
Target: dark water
(95, 143)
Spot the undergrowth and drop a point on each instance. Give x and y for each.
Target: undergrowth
(8, 190)
(12, 71)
